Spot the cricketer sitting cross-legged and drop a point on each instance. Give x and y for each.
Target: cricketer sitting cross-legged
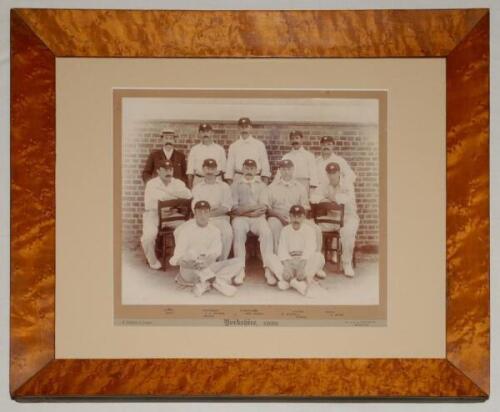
(197, 246)
(297, 261)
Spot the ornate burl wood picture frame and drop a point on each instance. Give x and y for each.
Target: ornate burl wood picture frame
(39, 36)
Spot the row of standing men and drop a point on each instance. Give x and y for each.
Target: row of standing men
(309, 169)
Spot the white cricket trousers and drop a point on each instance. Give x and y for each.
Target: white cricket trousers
(150, 232)
(258, 226)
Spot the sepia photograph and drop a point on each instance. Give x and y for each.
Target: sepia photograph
(251, 198)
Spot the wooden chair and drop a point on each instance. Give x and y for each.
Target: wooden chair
(330, 213)
(169, 211)
(252, 245)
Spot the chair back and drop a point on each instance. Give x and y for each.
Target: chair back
(172, 211)
(329, 212)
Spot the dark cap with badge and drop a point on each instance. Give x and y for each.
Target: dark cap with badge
(296, 133)
(244, 122)
(250, 163)
(326, 139)
(297, 210)
(285, 163)
(205, 127)
(165, 164)
(201, 204)
(332, 167)
(210, 163)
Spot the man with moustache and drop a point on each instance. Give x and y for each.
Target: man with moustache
(280, 196)
(197, 246)
(298, 260)
(162, 187)
(206, 149)
(338, 191)
(218, 194)
(250, 216)
(246, 147)
(167, 152)
(327, 156)
(303, 160)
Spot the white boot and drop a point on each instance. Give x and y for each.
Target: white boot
(348, 270)
(321, 274)
(283, 285)
(270, 278)
(225, 288)
(156, 265)
(200, 288)
(238, 279)
(299, 285)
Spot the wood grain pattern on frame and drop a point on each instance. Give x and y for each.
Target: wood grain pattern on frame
(38, 36)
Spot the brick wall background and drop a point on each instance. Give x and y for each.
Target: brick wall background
(357, 143)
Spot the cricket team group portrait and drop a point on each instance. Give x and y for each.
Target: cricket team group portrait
(243, 210)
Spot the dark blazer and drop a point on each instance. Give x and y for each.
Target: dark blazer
(154, 158)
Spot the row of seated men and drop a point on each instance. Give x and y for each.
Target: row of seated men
(290, 244)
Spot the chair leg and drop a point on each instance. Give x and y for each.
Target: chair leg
(164, 253)
(327, 247)
(339, 255)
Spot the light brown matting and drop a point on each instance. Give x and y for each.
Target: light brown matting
(415, 189)
(299, 314)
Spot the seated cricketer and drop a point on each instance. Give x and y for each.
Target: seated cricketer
(250, 215)
(197, 246)
(280, 196)
(297, 261)
(336, 190)
(162, 187)
(218, 194)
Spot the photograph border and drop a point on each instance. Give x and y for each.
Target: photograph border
(39, 36)
(133, 314)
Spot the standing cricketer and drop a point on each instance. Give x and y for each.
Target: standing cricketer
(328, 155)
(206, 149)
(247, 147)
(167, 152)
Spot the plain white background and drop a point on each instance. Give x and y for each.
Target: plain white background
(8, 405)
